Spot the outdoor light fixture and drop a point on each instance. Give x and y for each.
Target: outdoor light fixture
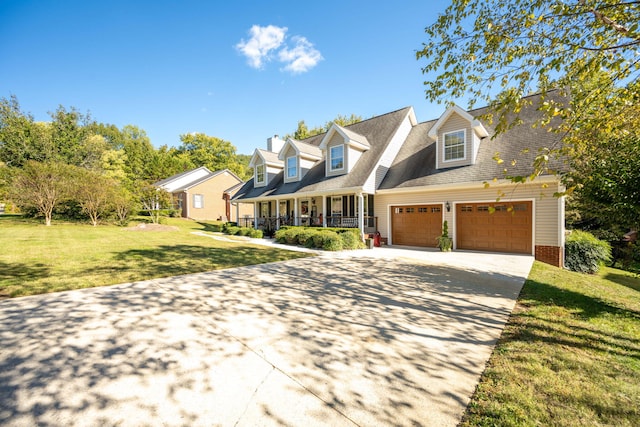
(448, 206)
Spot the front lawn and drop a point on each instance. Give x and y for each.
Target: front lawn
(569, 355)
(36, 259)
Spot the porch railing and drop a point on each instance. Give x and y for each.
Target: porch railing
(274, 223)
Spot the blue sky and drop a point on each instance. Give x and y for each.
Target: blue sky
(241, 71)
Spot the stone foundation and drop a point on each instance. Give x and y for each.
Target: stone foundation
(550, 255)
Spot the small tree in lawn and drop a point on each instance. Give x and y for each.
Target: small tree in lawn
(42, 186)
(154, 200)
(123, 204)
(94, 193)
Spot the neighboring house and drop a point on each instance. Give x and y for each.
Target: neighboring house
(205, 195)
(402, 178)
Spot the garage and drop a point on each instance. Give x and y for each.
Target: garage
(416, 225)
(495, 227)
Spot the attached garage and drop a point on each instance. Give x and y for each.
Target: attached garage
(416, 225)
(495, 227)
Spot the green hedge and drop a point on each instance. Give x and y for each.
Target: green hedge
(329, 239)
(584, 253)
(234, 230)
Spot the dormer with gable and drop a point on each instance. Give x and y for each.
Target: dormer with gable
(298, 157)
(342, 149)
(457, 134)
(266, 165)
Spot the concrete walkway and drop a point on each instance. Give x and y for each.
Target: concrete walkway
(373, 337)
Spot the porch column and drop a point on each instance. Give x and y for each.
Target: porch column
(255, 215)
(295, 212)
(238, 214)
(277, 214)
(361, 214)
(324, 211)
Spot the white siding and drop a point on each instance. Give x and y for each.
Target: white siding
(454, 123)
(548, 217)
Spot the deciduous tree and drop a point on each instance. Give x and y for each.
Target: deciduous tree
(498, 51)
(41, 186)
(94, 192)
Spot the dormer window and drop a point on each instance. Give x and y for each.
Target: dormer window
(260, 174)
(337, 157)
(292, 167)
(454, 145)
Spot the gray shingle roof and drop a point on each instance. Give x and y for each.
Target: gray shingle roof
(415, 164)
(306, 148)
(270, 157)
(378, 131)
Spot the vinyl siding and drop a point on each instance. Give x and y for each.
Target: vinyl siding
(454, 123)
(213, 202)
(548, 220)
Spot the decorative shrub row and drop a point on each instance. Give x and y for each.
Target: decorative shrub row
(234, 230)
(329, 239)
(584, 253)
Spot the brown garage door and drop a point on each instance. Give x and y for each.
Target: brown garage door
(494, 227)
(417, 225)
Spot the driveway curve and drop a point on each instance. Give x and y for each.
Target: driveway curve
(382, 337)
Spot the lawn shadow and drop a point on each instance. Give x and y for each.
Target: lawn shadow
(13, 274)
(625, 280)
(175, 260)
(210, 228)
(587, 306)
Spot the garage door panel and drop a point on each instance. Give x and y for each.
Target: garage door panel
(416, 225)
(497, 227)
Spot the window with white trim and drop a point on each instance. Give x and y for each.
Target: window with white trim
(198, 201)
(292, 167)
(260, 174)
(336, 160)
(454, 146)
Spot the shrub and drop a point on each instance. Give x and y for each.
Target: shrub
(232, 230)
(351, 241)
(319, 238)
(280, 235)
(256, 234)
(286, 235)
(584, 253)
(332, 242)
(244, 231)
(305, 235)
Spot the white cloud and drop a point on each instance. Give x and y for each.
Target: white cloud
(299, 55)
(263, 40)
(302, 57)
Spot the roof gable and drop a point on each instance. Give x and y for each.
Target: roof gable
(302, 149)
(350, 138)
(476, 125)
(177, 181)
(265, 157)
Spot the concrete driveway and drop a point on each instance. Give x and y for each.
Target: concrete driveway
(382, 337)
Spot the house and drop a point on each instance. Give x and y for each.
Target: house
(403, 179)
(204, 195)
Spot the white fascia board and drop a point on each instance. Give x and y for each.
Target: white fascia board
(469, 184)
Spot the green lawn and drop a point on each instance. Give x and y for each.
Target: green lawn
(569, 356)
(37, 259)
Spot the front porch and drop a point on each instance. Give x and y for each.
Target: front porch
(340, 211)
